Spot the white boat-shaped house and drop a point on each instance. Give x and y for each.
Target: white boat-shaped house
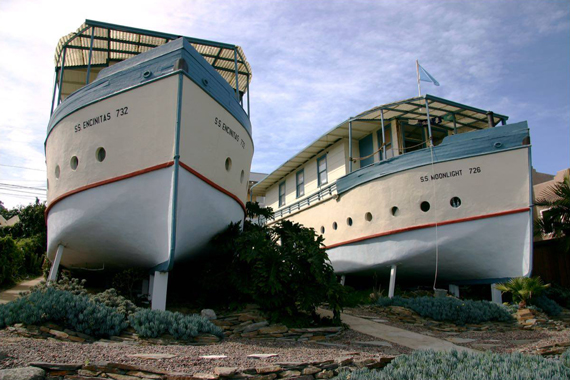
(384, 198)
(148, 151)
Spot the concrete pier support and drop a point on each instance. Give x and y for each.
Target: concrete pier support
(150, 286)
(159, 287)
(55, 265)
(496, 295)
(454, 289)
(392, 281)
(342, 279)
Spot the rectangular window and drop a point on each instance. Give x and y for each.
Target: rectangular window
(282, 194)
(322, 170)
(300, 183)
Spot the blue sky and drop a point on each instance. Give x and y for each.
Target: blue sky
(315, 63)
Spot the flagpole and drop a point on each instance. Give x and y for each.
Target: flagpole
(418, 74)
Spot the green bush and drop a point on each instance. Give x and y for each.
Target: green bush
(11, 261)
(283, 268)
(154, 323)
(33, 252)
(430, 365)
(451, 309)
(75, 312)
(65, 282)
(547, 305)
(559, 294)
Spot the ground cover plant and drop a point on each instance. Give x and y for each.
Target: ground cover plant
(451, 309)
(430, 365)
(76, 312)
(154, 323)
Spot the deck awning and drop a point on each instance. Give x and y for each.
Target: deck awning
(113, 43)
(450, 115)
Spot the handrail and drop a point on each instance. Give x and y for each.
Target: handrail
(316, 197)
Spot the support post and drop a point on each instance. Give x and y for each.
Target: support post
(55, 265)
(429, 124)
(237, 73)
(160, 285)
(454, 289)
(150, 286)
(454, 125)
(61, 76)
(490, 119)
(342, 279)
(350, 146)
(383, 135)
(392, 281)
(90, 55)
(496, 295)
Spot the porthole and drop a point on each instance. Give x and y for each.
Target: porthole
(228, 164)
(100, 154)
(368, 217)
(241, 176)
(322, 230)
(349, 221)
(424, 206)
(455, 202)
(395, 211)
(335, 226)
(57, 172)
(74, 162)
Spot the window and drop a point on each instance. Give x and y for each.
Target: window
(322, 170)
(424, 206)
(455, 202)
(300, 183)
(100, 154)
(282, 194)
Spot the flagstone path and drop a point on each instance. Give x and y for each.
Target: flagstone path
(12, 293)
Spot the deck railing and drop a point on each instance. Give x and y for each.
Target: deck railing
(324, 193)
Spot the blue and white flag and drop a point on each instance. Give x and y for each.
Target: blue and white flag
(425, 76)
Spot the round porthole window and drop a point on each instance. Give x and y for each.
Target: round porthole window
(335, 226)
(395, 211)
(228, 164)
(424, 206)
(241, 176)
(349, 221)
(74, 162)
(368, 217)
(100, 154)
(322, 230)
(455, 202)
(57, 172)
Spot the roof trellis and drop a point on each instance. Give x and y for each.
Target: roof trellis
(116, 43)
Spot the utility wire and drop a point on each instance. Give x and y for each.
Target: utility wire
(22, 167)
(22, 187)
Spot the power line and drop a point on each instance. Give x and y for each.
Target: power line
(22, 187)
(22, 167)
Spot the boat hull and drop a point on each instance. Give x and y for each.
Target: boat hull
(174, 173)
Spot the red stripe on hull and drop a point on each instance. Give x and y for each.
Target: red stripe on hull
(393, 232)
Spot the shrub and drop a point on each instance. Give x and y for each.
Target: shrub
(547, 305)
(75, 312)
(523, 289)
(430, 365)
(33, 254)
(65, 282)
(283, 268)
(451, 309)
(559, 294)
(153, 323)
(11, 261)
(111, 298)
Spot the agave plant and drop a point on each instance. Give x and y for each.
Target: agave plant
(556, 220)
(523, 289)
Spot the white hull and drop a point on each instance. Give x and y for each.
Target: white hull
(127, 223)
(484, 249)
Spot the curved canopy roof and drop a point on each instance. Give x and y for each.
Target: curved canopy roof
(112, 43)
(449, 114)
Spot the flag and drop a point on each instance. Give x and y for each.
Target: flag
(425, 76)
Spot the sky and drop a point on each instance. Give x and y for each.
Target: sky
(315, 64)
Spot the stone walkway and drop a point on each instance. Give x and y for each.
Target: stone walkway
(11, 294)
(396, 335)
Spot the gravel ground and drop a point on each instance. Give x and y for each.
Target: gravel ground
(19, 351)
